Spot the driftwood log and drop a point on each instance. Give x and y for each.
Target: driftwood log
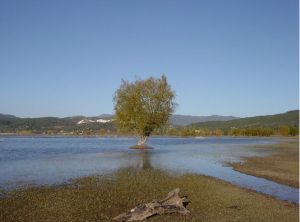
(171, 204)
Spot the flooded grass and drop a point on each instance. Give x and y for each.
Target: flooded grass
(282, 167)
(100, 198)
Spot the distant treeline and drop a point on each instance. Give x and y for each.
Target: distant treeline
(258, 131)
(182, 132)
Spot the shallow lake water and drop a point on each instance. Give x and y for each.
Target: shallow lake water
(46, 161)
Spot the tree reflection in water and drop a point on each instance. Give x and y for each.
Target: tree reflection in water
(143, 161)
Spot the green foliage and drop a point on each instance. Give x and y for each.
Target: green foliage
(294, 131)
(226, 132)
(235, 131)
(207, 131)
(49, 132)
(199, 132)
(284, 130)
(259, 131)
(192, 131)
(161, 131)
(25, 132)
(87, 133)
(218, 132)
(144, 105)
(184, 132)
(173, 132)
(102, 131)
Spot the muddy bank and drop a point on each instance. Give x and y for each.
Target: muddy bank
(101, 198)
(281, 167)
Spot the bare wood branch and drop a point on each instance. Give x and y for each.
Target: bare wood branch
(171, 204)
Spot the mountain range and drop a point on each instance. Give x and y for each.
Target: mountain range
(183, 120)
(179, 120)
(10, 123)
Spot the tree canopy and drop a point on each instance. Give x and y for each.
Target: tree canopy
(144, 105)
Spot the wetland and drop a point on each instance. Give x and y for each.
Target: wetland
(99, 178)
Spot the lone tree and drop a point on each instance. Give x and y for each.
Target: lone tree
(144, 105)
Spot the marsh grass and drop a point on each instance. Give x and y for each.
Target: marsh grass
(100, 198)
(282, 167)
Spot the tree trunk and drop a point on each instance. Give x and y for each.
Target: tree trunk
(171, 204)
(142, 140)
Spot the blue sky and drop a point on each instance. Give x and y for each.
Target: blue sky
(66, 58)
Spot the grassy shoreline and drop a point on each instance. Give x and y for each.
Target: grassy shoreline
(100, 198)
(282, 167)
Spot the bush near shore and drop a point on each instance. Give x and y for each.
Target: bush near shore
(253, 132)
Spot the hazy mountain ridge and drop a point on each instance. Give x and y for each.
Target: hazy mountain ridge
(180, 120)
(10, 123)
(183, 120)
(5, 116)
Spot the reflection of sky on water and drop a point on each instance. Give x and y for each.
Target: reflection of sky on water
(215, 169)
(43, 161)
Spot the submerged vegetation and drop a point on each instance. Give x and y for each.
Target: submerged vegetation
(100, 198)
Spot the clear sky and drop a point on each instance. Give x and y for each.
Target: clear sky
(65, 58)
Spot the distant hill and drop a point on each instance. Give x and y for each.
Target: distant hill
(105, 116)
(74, 119)
(32, 123)
(183, 120)
(290, 118)
(51, 123)
(5, 116)
(180, 120)
(10, 123)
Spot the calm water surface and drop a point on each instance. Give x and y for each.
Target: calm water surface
(46, 161)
